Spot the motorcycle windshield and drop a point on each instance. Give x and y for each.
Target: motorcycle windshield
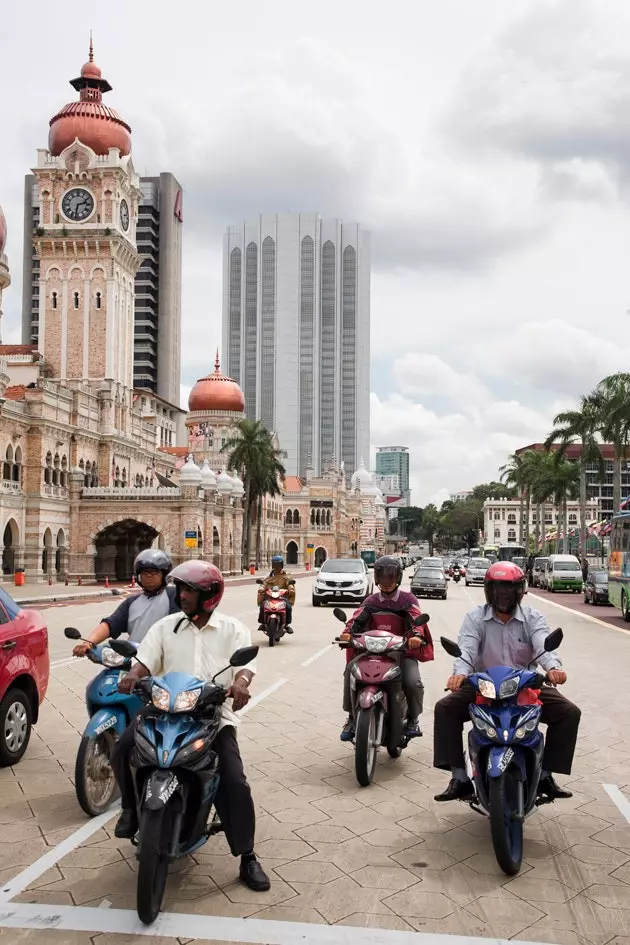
(387, 622)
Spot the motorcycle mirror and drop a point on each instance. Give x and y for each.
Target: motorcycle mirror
(72, 633)
(340, 615)
(123, 648)
(243, 656)
(259, 581)
(421, 620)
(451, 647)
(553, 641)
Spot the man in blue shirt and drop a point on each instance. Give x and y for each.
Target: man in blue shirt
(503, 633)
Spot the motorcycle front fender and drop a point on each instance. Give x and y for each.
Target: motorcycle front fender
(499, 759)
(369, 695)
(159, 788)
(113, 719)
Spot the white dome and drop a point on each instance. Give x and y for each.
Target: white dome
(362, 480)
(208, 478)
(190, 474)
(224, 484)
(238, 488)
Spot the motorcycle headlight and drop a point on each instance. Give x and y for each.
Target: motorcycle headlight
(483, 726)
(376, 644)
(520, 733)
(186, 701)
(487, 690)
(110, 658)
(161, 698)
(491, 732)
(509, 688)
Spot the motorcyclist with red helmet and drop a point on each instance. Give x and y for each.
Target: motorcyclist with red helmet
(503, 632)
(388, 572)
(200, 642)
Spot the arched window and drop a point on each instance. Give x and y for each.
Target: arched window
(8, 463)
(64, 472)
(124, 477)
(497, 533)
(296, 516)
(312, 516)
(117, 476)
(511, 534)
(98, 299)
(76, 299)
(497, 516)
(48, 470)
(289, 517)
(56, 475)
(199, 539)
(317, 518)
(572, 518)
(54, 300)
(511, 519)
(17, 465)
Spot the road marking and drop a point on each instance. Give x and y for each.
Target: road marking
(578, 613)
(317, 655)
(253, 931)
(619, 799)
(263, 695)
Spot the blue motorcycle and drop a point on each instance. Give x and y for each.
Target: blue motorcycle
(176, 772)
(505, 750)
(110, 712)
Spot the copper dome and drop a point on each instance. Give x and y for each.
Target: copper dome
(93, 123)
(216, 392)
(3, 231)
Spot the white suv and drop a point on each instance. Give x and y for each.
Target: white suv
(342, 579)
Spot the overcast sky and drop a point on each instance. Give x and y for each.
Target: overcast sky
(486, 144)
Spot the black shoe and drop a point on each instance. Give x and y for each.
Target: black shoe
(127, 826)
(289, 629)
(347, 732)
(457, 791)
(253, 875)
(548, 787)
(261, 627)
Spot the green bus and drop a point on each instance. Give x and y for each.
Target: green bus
(619, 564)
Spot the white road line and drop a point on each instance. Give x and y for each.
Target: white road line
(217, 928)
(317, 655)
(579, 613)
(619, 799)
(263, 695)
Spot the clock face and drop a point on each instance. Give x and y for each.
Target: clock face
(77, 204)
(124, 215)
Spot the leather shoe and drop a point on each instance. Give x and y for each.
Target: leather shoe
(127, 826)
(254, 876)
(548, 786)
(457, 791)
(289, 629)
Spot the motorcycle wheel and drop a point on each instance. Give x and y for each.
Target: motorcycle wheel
(365, 746)
(507, 833)
(94, 780)
(152, 863)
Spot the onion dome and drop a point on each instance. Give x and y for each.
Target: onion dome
(3, 231)
(224, 484)
(238, 487)
(208, 478)
(94, 124)
(190, 474)
(362, 480)
(216, 392)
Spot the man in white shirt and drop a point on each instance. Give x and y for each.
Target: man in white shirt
(200, 642)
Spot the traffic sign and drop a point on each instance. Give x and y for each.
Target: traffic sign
(190, 539)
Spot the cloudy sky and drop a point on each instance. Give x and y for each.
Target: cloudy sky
(486, 144)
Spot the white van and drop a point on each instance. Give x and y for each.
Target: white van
(563, 573)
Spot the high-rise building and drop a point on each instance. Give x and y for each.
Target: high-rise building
(157, 309)
(296, 334)
(394, 461)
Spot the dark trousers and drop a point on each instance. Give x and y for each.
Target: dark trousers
(261, 614)
(233, 802)
(561, 717)
(412, 685)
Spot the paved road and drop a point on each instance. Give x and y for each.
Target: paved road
(386, 858)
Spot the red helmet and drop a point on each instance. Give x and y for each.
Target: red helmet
(201, 576)
(504, 585)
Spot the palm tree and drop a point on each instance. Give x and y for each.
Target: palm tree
(612, 395)
(430, 523)
(560, 482)
(582, 426)
(514, 473)
(266, 482)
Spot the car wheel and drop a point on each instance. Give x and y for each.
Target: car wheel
(316, 603)
(16, 719)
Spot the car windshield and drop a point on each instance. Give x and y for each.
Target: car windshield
(339, 566)
(9, 604)
(599, 577)
(566, 566)
(540, 563)
(433, 563)
(428, 573)
(482, 563)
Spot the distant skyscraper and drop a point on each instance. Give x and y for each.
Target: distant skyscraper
(296, 334)
(157, 318)
(394, 461)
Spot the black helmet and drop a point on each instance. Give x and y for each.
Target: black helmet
(388, 567)
(153, 559)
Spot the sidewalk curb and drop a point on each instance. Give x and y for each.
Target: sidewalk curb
(122, 591)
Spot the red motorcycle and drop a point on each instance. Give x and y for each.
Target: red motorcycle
(379, 706)
(275, 612)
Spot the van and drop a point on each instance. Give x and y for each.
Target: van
(563, 573)
(538, 570)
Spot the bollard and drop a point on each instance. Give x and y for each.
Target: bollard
(79, 582)
(67, 581)
(50, 580)
(106, 581)
(252, 569)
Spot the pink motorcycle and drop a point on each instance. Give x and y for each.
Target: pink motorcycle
(379, 706)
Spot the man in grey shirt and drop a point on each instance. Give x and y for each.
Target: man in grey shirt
(503, 633)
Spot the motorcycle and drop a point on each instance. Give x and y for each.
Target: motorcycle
(379, 706)
(275, 612)
(505, 750)
(176, 772)
(110, 713)
(457, 575)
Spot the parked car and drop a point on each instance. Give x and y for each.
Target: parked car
(24, 672)
(538, 571)
(476, 570)
(596, 587)
(429, 582)
(342, 579)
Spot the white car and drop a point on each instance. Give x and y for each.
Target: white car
(476, 571)
(342, 579)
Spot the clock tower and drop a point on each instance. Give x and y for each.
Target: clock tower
(88, 194)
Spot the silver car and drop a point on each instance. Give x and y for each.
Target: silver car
(476, 571)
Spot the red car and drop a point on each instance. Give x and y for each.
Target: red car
(24, 672)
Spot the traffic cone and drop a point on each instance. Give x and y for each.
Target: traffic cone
(106, 581)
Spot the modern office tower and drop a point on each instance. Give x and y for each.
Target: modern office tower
(394, 461)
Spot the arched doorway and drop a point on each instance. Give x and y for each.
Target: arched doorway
(292, 553)
(10, 542)
(47, 552)
(117, 546)
(320, 556)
